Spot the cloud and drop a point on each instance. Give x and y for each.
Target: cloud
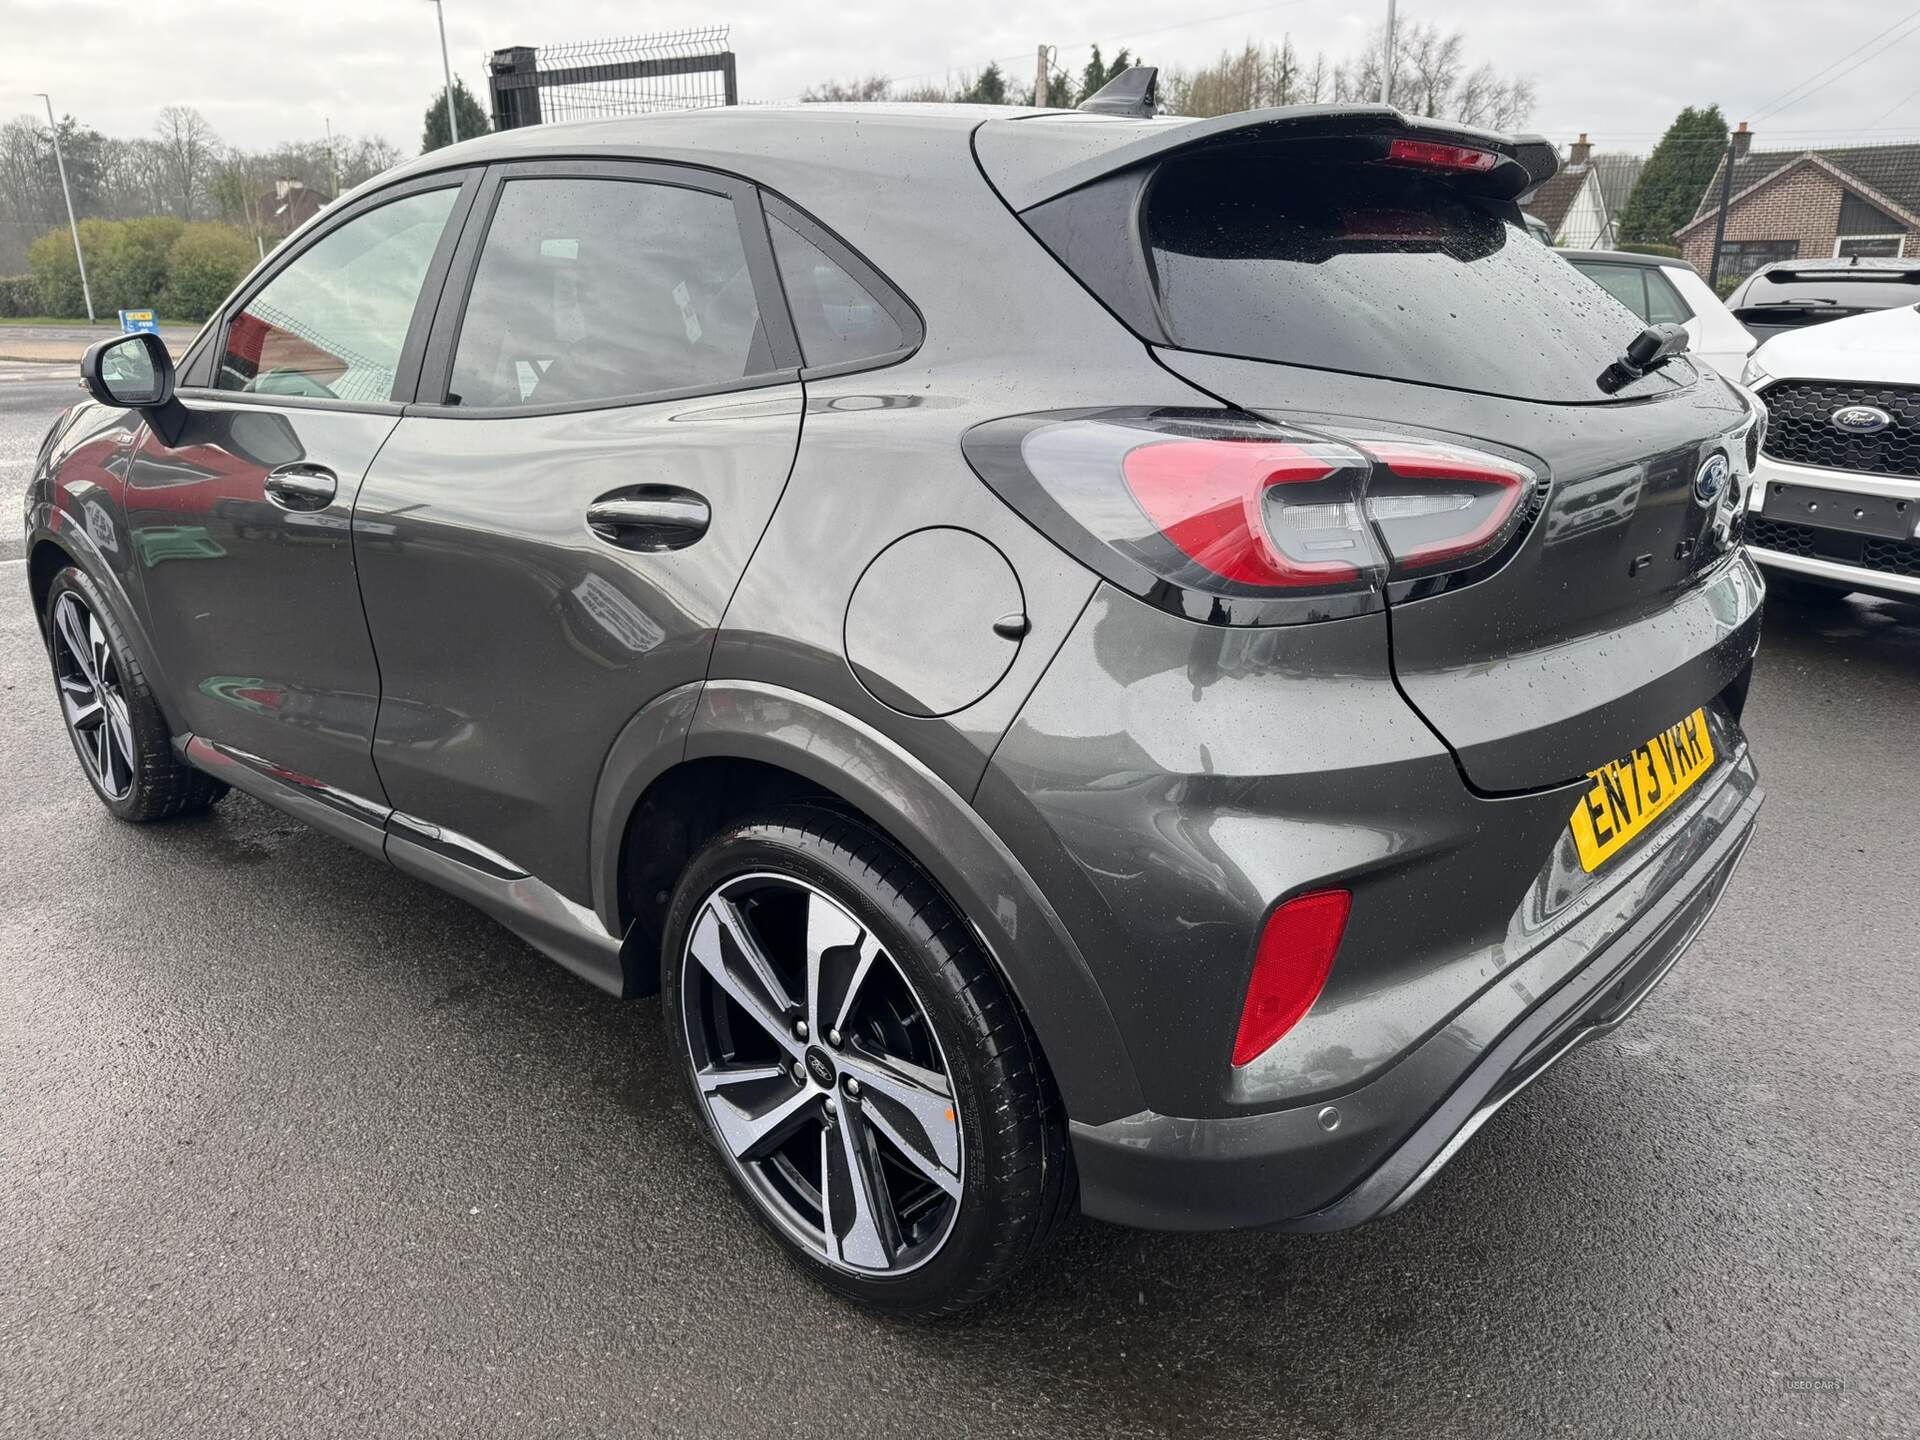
(264, 72)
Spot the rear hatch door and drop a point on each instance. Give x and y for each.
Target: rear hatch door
(1310, 279)
(1623, 607)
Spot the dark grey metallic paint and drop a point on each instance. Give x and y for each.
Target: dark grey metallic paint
(1528, 676)
(1116, 799)
(529, 639)
(253, 604)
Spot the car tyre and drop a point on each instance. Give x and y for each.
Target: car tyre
(1015, 1186)
(123, 742)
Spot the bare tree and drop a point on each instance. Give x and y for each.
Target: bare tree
(22, 181)
(1247, 79)
(1485, 99)
(133, 178)
(361, 160)
(189, 149)
(1429, 78)
(1317, 87)
(1432, 68)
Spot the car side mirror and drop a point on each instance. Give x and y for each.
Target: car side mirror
(134, 372)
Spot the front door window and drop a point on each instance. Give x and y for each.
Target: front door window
(332, 324)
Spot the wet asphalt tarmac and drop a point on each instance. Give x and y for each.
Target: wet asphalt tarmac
(292, 1145)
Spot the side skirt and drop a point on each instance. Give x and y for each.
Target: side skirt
(540, 915)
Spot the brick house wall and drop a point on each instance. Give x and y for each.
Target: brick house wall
(1803, 205)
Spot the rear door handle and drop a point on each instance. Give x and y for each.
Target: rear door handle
(650, 518)
(302, 487)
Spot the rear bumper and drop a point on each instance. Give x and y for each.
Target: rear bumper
(1343, 1160)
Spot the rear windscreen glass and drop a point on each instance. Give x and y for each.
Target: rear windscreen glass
(1377, 271)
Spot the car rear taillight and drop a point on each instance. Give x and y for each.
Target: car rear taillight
(1290, 968)
(1441, 506)
(1240, 520)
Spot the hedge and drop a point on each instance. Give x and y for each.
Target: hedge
(180, 271)
(18, 296)
(203, 266)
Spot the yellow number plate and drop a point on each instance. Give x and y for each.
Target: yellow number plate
(1629, 794)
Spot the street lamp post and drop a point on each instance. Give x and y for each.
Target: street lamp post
(1386, 66)
(72, 224)
(453, 120)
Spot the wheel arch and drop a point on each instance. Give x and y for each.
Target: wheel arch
(66, 543)
(703, 755)
(46, 559)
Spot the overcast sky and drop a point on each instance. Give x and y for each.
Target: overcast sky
(267, 70)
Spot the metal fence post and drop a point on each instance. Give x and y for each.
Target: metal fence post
(513, 79)
(633, 75)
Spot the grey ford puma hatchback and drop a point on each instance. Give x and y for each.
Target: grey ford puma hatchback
(1162, 667)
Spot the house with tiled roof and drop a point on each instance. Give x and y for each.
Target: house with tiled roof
(1581, 204)
(1808, 204)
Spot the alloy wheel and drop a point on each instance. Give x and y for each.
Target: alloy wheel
(825, 1083)
(90, 693)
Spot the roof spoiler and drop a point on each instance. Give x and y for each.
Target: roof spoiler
(1834, 270)
(1033, 159)
(1134, 91)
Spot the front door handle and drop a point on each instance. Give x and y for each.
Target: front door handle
(649, 518)
(302, 487)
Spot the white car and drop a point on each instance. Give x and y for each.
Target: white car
(1835, 499)
(1661, 290)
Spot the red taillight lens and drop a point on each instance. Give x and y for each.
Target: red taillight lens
(1237, 519)
(1209, 497)
(1290, 968)
(1432, 155)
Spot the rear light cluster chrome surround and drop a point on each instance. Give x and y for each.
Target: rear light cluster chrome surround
(1236, 519)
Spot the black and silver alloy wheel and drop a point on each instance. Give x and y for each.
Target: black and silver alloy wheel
(124, 743)
(92, 698)
(855, 1056)
(821, 1074)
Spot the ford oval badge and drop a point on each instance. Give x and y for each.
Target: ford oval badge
(1861, 419)
(1711, 480)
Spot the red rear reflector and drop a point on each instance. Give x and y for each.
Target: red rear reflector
(1290, 968)
(1432, 155)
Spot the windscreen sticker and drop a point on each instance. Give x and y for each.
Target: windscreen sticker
(684, 299)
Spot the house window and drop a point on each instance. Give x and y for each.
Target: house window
(1869, 244)
(1866, 229)
(1743, 257)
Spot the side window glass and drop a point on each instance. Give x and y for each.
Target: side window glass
(1623, 282)
(332, 324)
(837, 318)
(591, 290)
(1664, 305)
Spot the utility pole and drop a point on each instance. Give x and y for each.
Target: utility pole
(453, 120)
(1042, 73)
(1386, 61)
(333, 166)
(1720, 220)
(72, 224)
